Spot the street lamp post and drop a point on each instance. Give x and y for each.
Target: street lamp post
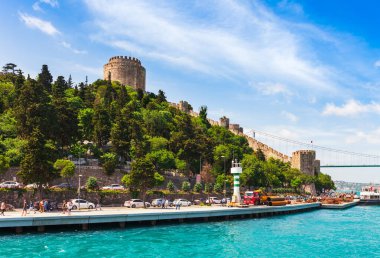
(79, 190)
(224, 171)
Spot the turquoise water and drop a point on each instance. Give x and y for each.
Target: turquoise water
(353, 232)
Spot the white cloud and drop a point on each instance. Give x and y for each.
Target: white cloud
(37, 5)
(269, 88)
(290, 116)
(358, 136)
(351, 108)
(377, 64)
(33, 22)
(239, 42)
(74, 50)
(291, 6)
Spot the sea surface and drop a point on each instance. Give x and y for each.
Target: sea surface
(352, 232)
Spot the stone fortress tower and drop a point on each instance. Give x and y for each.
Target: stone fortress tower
(126, 70)
(306, 162)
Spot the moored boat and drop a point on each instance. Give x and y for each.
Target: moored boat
(370, 195)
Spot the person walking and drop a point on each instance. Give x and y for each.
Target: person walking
(41, 205)
(69, 207)
(2, 208)
(46, 206)
(64, 207)
(24, 208)
(31, 208)
(163, 203)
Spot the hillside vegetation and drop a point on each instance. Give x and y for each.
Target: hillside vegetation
(42, 122)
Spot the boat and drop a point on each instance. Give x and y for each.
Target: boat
(370, 195)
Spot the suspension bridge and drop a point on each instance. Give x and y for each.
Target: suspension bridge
(328, 157)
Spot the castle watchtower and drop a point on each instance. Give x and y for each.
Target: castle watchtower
(126, 70)
(306, 162)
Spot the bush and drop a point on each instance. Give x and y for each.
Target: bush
(218, 188)
(198, 187)
(170, 186)
(92, 183)
(186, 186)
(208, 187)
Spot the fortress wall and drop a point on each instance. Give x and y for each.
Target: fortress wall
(236, 129)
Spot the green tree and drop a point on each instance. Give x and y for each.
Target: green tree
(109, 163)
(203, 116)
(197, 187)
(162, 159)
(170, 186)
(186, 186)
(85, 118)
(92, 183)
(121, 133)
(65, 167)
(102, 125)
(45, 79)
(143, 176)
(324, 182)
(37, 165)
(4, 163)
(253, 172)
(33, 110)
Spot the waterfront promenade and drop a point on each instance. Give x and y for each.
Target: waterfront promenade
(123, 215)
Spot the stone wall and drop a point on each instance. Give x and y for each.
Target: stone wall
(126, 70)
(116, 199)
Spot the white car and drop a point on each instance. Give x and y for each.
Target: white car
(182, 202)
(136, 203)
(81, 204)
(34, 186)
(113, 187)
(10, 184)
(215, 200)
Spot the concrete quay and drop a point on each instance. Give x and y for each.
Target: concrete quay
(340, 206)
(124, 216)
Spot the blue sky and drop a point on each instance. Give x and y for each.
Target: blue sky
(305, 70)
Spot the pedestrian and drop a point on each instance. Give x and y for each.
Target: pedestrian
(163, 203)
(98, 207)
(64, 206)
(31, 208)
(69, 207)
(2, 208)
(46, 206)
(166, 203)
(24, 208)
(41, 206)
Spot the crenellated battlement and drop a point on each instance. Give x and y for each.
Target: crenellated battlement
(126, 58)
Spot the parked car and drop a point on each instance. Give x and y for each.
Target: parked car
(10, 184)
(157, 202)
(81, 204)
(34, 186)
(136, 203)
(182, 202)
(113, 187)
(199, 201)
(62, 186)
(213, 200)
